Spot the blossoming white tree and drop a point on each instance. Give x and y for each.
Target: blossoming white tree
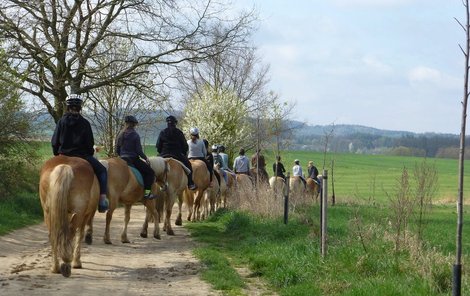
(220, 116)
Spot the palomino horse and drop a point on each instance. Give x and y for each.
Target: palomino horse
(313, 189)
(69, 193)
(297, 188)
(124, 188)
(224, 188)
(278, 186)
(211, 195)
(244, 184)
(201, 178)
(172, 178)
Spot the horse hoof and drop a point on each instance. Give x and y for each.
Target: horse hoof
(157, 236)
(144, 235)
(178, 222)
(126, 241)
(170, 232)
(65, 269)
(88, 239)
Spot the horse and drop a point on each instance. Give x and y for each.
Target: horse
(263, 177)
(244, 184)
(210, 198)
(171, 176)
(201, 178)
(124, 188)
(224, 187)
(297, 187)
(278, 186)
(313, 189)
(69, 193)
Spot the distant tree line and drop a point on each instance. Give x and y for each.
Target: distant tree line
(423, 145)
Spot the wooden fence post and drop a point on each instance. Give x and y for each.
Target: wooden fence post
(324, 207)
(286, 198)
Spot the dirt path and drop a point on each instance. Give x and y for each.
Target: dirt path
(143, 267)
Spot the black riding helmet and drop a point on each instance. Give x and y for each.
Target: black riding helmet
(74, 100)
(131, 118)
(171, 119)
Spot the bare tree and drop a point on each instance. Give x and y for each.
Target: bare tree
(54, 44)
(457, 268)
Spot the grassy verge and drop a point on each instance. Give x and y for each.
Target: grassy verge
(361, 258)
(19, 211)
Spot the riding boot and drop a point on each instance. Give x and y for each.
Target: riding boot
(191, 184)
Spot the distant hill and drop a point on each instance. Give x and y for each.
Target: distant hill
(341, 138)
(368, 140)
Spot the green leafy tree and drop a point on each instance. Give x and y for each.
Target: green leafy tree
(15, 131)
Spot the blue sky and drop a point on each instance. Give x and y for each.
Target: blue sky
(388, 64)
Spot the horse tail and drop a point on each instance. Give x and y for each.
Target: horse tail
(60, 182)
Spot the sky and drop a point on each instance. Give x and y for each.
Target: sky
(387, 64)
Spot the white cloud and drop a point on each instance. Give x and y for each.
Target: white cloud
(424, 74)
(375, 64)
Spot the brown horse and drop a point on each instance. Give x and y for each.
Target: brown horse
(69, 193)
(124, 188)
(172, 178)
(278, 186)
(313, 189)
(201, 178)
(263, 177)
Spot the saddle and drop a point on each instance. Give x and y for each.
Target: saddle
(137, 175)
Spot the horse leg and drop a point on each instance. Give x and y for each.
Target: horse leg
(89, 230)
(189, 203)
(151, 211)
(143, 231)
(76, 261)
(55, 259)
(127, 218)
(109, 216)
(169, 208)
(179, 220)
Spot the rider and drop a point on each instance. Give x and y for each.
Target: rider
(73, 137)
(297, 171)
(197, 150)
(241, 164)
(258, 161)
(313, 174)
(129, 148)
(219, 162)
(278, 168)
(172, 143)
(224, 157)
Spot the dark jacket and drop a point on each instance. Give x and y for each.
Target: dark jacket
(313, 172)
(171, 141)
(73, 136)
(280, 169)
(128, 144)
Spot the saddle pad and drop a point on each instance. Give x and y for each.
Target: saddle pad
(137, 175)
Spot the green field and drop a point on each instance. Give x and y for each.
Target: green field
(370, 177)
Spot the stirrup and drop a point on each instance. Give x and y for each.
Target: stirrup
(103, 206)
(149, 196)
